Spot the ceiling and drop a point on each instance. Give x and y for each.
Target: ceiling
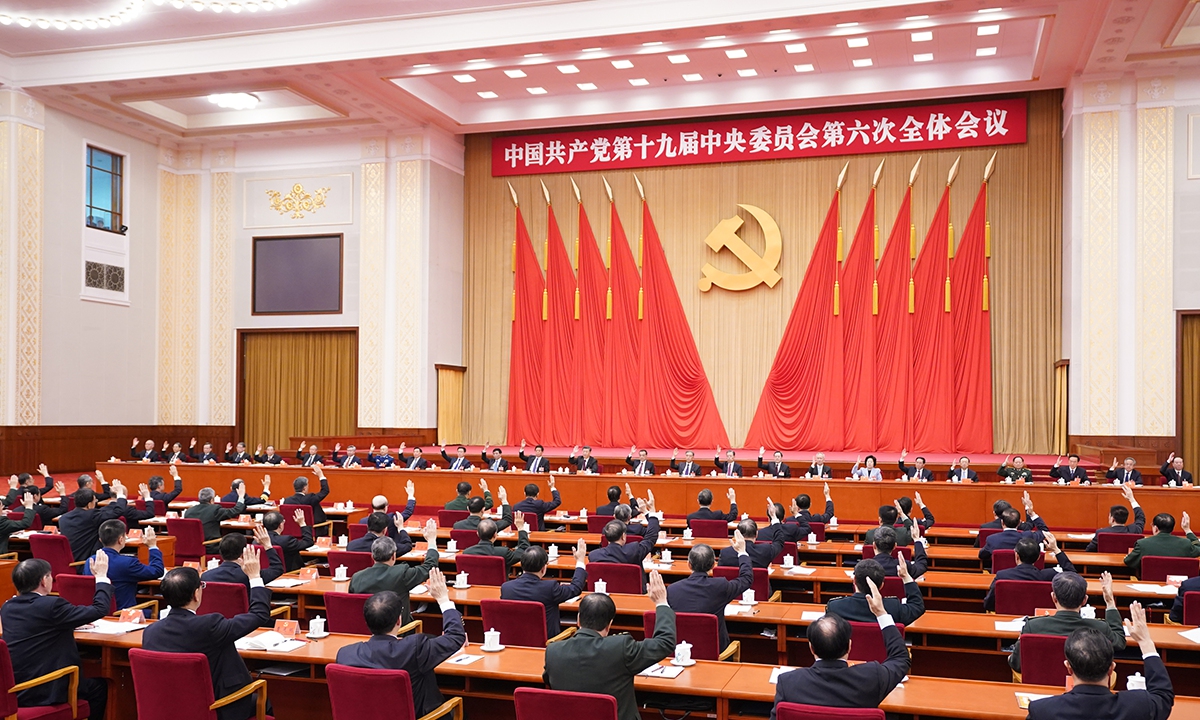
(369, 66)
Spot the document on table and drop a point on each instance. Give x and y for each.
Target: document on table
(1156, 589)
(1081, 536)
(109, 627)
(776, 672)
(1010, 625)
(801, 571)
(849, 573)
(1023, 699)
(972, 532)
(811, 615)
(270, 641)
(738, 610)
(421, 589)
(463, 659)
(669, 672)
(1193, 634)
(285, 582)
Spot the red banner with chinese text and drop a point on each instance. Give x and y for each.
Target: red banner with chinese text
(1000, 121)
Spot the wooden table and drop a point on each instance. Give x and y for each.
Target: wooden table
(19, 541)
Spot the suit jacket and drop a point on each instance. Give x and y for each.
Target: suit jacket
(266, 459)
(762, 550)
(550, 593)
(922, 475)
(1026, 572)
(804, 517)
(180, 456)
(307, 460)
(231, 572)
(464, 463)
(231, 497)
(957, 475)
(637, 466)
(610, 509)
(394, 532)
(238, 457)
(1065, 473)
(126, 571)
(728, 469)
(1189, 585)
(40, 632)
(143, 454)
(291, 547)
(775, 469)
(1065, 622)
(417, 654)
(1137, 527)
(583, 464)
(822, 471)
(168, 497)
(855, 609)
(460, 502)
(629, 553)
(703, 593)
(686, 468)
(82, 527)
(916, 567)
(588, 662)
(1087, 702)
(539, 507)
(997, 525)
(471, 522)
(494, 464)
(184, 631)
(398, 578)
(903, 534)
(407, 462)
(363, 544)
(1008, 539)
(8, 527)
(707, 513)
(381, 461)
(1176, 478)
(511, 556)
(313, 500)
(1119, 474)
(533, 463)
(835, 683)
(205, 457)
(211, 515)
(344, 460)
(1162, 545)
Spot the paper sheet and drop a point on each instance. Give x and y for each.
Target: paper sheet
(269, 640)
(286, 646)
(1156, 589)
(418, 590)
(1023, 699)
(801, 571)
(1010, 625)
(972, 532)
(776, 672)
(1193, 634)
(1081, 536)
(668, 672)
(285, 582)
(738, 610)
(811, 615)
(464, 659)
(108, 627)
(849, 573)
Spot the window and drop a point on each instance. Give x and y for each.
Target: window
(104, 185)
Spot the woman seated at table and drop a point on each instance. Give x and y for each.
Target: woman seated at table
(867, 472)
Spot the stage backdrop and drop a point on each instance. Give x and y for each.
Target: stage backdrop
(1024, 209)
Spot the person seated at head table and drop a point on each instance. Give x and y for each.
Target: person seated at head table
(177, 455)
(962, 473)
(416, 462)
(534, 463)
(532, 505)
(463, 490)
(348, 459)
(1027, 552)
(476, 507)
(727, 467)
(702, 593)
(1127, 474)
(264, 498)
(495, 463)
(382, 460)
(868, 471)
(310, 458)
(1173, 471)
(1018, 473)
(270, 457)
(1162, 543)
(777, 467)
(918, 472)
(400, 578)
(1069, 594)
(232, 550)
(205, 456)
(705, 499)
(211, 515)
(487, 535)
(584, 463)
(1117, 517)
(641, 466)
(688, 467)
(126, 571)
(532, 586)
(818, 468)
(290, 546)
(1071, 473)
(856, 608)
(238, 456)
(460, 461)
(146, 454)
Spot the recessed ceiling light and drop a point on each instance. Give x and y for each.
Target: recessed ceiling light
(862, 62)
(568, 69)
(748, 72)
(424, 71)
(638, 82)
(234, 101)
(652, 44)
(985, 52)
(487, 95)
(586, 86)
(536, 90)
(987, 30)
(806, 67)
(477, 60)
(693, 77)
(622, 64)
(991, 10)
(735, 54)
(533, 55)
(587, 50)
(847, 24)
(678, 59)
(780, 32)
(796, 48)
(715, 37)
(923, 36)
(917, 17)
(422, 65)
(515, 73)
(464, 78)
(858, 42)
(923, 57)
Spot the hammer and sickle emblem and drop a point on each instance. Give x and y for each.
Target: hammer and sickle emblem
(762, 268)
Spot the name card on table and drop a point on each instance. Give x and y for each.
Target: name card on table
(325, 542)
(309, 573)
(133, 534)
(131, 615)
(287, 628)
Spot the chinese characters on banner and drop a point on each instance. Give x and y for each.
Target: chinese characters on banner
(853, 132)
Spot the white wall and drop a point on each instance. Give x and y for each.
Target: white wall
(1187, 217)
(445, 284)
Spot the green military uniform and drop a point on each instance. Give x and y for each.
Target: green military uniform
(211, 514)
(903, 534)
(1162, 545)
(511, 555)
(460, 502)
(1065, 622)
(399, 578)
(471, 522)
(8, 527)
(1011, 473)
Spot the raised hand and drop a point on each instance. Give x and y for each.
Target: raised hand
(650, 499)
(762, 450)
(99, 565)
(27, 501)
(899, 511)
(1127, 491)
(437, 585)
(1114, 465)
(261, 536)
(552, 483)
(1005, 463)
(580, 552)
(337, 447)
(875, 600)
(1138, 632)
(738, 542)
(632, 450)
(402, 446)
(503, 495)
(100, 476)
(1051, 542)
(656, 589)
(1057, 460)
(410, 488)
(430, 533)
(250, 563)
(241, 490)
(628, 490)
(13, 482)
(522, 443)
(903, 454)
(1106, 589)
(1186, 523)
(574, 451)
(519, 521)
(916, 532)
(298, 517)
(483, 485)
(770, 510)
(60, 488)
(258, 449)
(150, 538)
(266, 483)
(902, 567)
(193, 443)
(827, 498)
(174, 471)
(731, 495)
(1027, 502)
(135, 441)
(43, 470)
(371, 450)
(675, 453)
(228, 446)
(917, 498)
(144, 491)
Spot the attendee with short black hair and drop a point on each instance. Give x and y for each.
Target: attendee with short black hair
(1018, 473)
(208, 456)
(237, 458)
(886, 553)
(689, 467)
(777, 467)
(156, 485)
(918, 472)
(270, 457)
(705, 499)
(963, 472)
(532, 505)
(1173, 471)
(8, 527)
(868, 471)
(702, 593)
(614, 499)
(476, 507)
(532, 586)
(1162, 543)
(232, 549)
(289, 545)
(1118, 515)
(727, 467)
(1069, 594)
(1071, 473)
(641, 466)
(18, 483)
(460, 461)
(618, 550)
(126, 571)
(1127, 474)
(762, 545)
(302, 496)
(1011, 532)
(416, 462)
(802, 514)
(535, 463)
(377, 525)
(1027, 552)
(867, 573)
(81, 526)
(462, 498)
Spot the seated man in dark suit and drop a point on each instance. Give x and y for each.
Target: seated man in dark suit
(270, 457)
(535, 506)
(81, 526)
(233, 549)
(802, 512)
(310, 458)
(380, 504)
(126, 571)
(417, 654)
(176, 455)
(206, 456)
(1117, 516)
(210, 514)
(614, 499)
(918, 472)
(1161, 543)
(767, 543)
(532, 586)
(302, 496)
(624, 513)
(641, 466)
(998, 509)
(495, 463)
(86, 481)
(377, 526)
(700, 592)
(40, 631)
(47, 512)
(727, 467)
(1027, 552)
(687, 468)
(617, 550)
(777, 467)
(832, 681)
(238, 456)
(463, 493)
(460, 461)
(25, 480)
(1189, 585)
(584, 463)
(487, 536)
(400, 578)
(534, 463)
(8, 527)
(1127, 473)
(1090, 663)
(597, 661)
(1173, 471)
(819, 469)
(348, 459)
(1071, 473)
(886, 554)
(156, 487)
(247, 499)
(855, 607)
(1070, 594)
(183, 631)
(415, 462)
(962, 473)
(1011, 532)
(476, 506)
(705, 498)
(906, 505)
(146, 454)
(286, 544)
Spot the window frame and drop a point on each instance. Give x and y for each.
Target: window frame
(109, 247)
(117, 181)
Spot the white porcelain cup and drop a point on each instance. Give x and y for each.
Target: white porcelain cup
(213, 563)
(491, 639)
(343, 541)
(748, 597)
(460, 580)
(788, 561)
(452, 546)
(666, 556)
(316, 626)
(812, 537)
(1135, 682)
(552, 553)
(687, 533)
(583, 513)
(683, 653)
(601, 587)
(833, 521)
(340, 573)
(1087, 612)
(349, 504)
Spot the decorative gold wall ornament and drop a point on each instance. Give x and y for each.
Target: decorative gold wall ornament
(297, 202)
(762, 267)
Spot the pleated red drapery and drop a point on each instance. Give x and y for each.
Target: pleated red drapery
(677, 404)
(858, 332)
(562, 394)
(801, 404)
(591, 339)
(972, 335)
(932, 339)
(895, 407)
(623, 354)
(525, 387)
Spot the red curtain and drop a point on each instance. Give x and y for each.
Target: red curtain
(525, 387)
(562, 389)
(933, 346)
(972, 335)
(894, 409)
(858, 333)
(677, 404)
(592, 337)
(801, 404)
(623, 354)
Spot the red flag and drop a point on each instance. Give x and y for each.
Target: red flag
(801, 404)
(527, 350)
(678, 408)
(972, 335)
(623, 354)
(592, 338)
(858, 333)
(894, 408)
(933, 350)
(561, 388)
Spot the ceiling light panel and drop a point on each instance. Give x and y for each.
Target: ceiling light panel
(464, 78)
(568, 69)
(796, 48)
(857, 42)
(735, 54)
(586, 86)
(983, 30)
(515, 73)
(678, 59)
(748, 72)
(862, 62)
(487, 95)
(639, 82)
(923, 57)
(622, 64)
(985, 52)
(922, 36)
(693, 77)
(536, 90)
(806, 67)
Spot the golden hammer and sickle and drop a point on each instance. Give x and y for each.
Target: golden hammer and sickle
(762, 268)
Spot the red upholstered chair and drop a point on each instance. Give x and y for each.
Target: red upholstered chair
(1042, 659)
(73, 708)
(464, 538)
(189, 694)
(344, 612)
(230, 599)
(538, 704)
(1004, 559)
(818, 529)
(717, 529)
(618, 577)
(520, 622)
(483, 569)
(354, 561)
(866, 641)
(761, 586)
(357, 530)
(389, 691)
(985, 533)
(789, 548)
(190, 545)
(81, 589)
(892, 587)
(702, 631)
(798, 711)
(447, 518)
(160, 507)
(291, 529)
(17, 515)
(1117, 542)
(868, 552)
(1191, 608)
(596, 523)
(56, 550)
(1022, 597)
(1156, 569)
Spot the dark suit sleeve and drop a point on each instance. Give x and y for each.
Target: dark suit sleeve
(169, 497)
(647, 542)
(555, 502)
(228, 630)
(1063, 562)
(274, 566)
(561, 592)
(436, 650)
(404, 543)
(324, 490)
(762, 465)
(914, 608)
(1094, 545)
(1158, 685)
(928, 515)
(66, 615)
(920, 561)
(892, 670)
(732, 514)
(1139, 521)
(641, 655)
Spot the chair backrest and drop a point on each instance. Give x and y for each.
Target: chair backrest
(789, 548)
(892, 587)
(464, 538)
(1156, 568)
(17, 515)
(289, 526)
(818, 529)
(186, 697)
(483, 569)
(1022, 597)
(709, 529)
(1004, 559)
(1042, 659)
(228, 599)
(596, 523)
(56, 550)
(699, 629)
(799, 711)
(866, 641)
(618, 577)
(8, 700)
(1191, 608)
(538, 704)
(189, 539)
(344, 612)
(447, 518)
(160, 507)
(520, 622)
(1110, 542)
(390, 693)
(868, 552)
(357, 530)
(79, 590)
(985, 533)
(354, 561)
(762, 580)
